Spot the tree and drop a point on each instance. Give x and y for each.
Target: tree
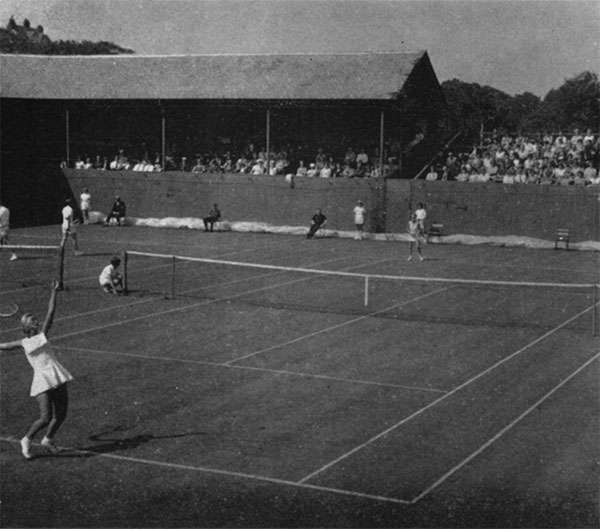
(573, 105)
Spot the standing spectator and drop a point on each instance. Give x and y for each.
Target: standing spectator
(85, 204)
(69, 226)
(431, 175)
(317, 221)
(359, 219)
(421, 215)
(49, 385)
(117, 211)
(5, 227)
(214, 215)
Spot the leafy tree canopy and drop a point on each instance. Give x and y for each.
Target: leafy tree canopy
(473, 108)
(33, 41)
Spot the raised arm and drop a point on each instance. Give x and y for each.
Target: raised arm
(51, 308)
(9, 346)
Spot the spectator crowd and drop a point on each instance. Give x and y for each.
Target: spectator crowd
(299, 161)
(548, 159)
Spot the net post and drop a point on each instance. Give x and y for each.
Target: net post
(173, 277)
(366, 290)
(61, 266)
(125, 273)
(595, 310)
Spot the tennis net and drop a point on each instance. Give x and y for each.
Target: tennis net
(31, 265)
(347, 292)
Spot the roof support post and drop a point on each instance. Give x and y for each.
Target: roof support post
(163, 137)
(381, 129)
(268, 153)
(67, 139)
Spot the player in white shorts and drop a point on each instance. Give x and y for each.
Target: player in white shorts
(69, 226)
(5, 228)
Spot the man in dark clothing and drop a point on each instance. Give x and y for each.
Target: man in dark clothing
(318, 220)
(214, 215)
(116, 212)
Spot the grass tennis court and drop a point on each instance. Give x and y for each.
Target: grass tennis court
(262, 397)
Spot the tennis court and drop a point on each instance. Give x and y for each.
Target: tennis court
(334, 385)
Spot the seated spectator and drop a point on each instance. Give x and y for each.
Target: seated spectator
(199, 166)
(350, 156)
(360, 171)
(214, 216)
(312, 171)
(272, 168)
(227, 165)
(101, 163)
(258, 168)
(79, 163)
(463, 174)
(578, 178)
(301, 171)
(117, 212)
(138, 166)
(242, 164)
(348, 170)
(531, 176)
(432, 174)
(590, 173)
(520, 177)
(147, 167)
(325, 171)
(362, 157)
(508, 178)
(88, 164)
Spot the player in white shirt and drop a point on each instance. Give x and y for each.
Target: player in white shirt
(359, 219)
(86, 201)
(5, 228)
(69, 226)
(421, 215)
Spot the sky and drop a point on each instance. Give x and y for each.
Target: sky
(515, 46)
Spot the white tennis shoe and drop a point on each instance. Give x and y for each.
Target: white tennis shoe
(26, 448)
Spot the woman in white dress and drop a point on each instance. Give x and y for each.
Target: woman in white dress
(49, 385)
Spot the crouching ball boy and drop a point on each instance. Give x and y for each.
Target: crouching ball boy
(110, 279)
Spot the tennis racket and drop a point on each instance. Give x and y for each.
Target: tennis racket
(8, 309)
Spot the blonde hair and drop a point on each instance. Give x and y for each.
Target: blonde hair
(26, 322)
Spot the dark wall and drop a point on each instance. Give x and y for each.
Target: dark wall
(240, 197)
(475, 209)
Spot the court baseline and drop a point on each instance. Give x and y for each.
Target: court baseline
(442, 398)
(303, 485)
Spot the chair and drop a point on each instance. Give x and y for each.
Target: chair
(563, 236)
(436, 230)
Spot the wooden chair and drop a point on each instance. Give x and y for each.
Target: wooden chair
(436, 230)
(563, 236)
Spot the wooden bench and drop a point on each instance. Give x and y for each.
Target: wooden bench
(563, 236)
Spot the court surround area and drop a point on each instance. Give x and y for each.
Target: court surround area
(226, 395)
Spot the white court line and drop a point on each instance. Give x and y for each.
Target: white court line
(503, 431)
(155, 298)
(337, 326)
(250, 368)
(95, 277)
(228, 473)
(201, 303)
(442, 398)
